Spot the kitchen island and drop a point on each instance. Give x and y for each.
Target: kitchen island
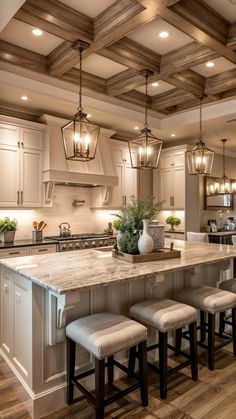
(41, 294)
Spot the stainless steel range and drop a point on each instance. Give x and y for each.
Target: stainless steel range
(82, 241)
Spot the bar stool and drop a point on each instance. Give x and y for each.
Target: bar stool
(197, 237)
(103, 335)
(209, 301)
(228, 285)
(166, 315)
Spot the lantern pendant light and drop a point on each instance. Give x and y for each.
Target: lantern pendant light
(80, 136)
(148, 146)
(200, 159)
(224, 185)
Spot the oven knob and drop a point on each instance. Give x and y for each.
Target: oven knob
(94, 244)
(86, 244)
(71, 246)
(77, 245)
(63, 246)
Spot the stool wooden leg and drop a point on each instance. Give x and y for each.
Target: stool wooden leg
(211, 341)
(163, 364)
(202, 321)
(110, 369)
(234, 329)
(70, 358)
(178, 339)
(99, 387)
(142, 359)
(132, 359)
(193, 350)
(222, 323)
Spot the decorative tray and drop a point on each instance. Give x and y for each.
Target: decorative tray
(160, 254)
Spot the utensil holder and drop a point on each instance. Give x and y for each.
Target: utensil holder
(37, 236)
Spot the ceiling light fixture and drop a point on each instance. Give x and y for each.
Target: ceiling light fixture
(210, 64)
(24, 97)
(223, 185)
(173, 135)
(155, 84)
(37, 32)
(147, 145)
(80, 136)
(136, 128)
(200, 159)
(163, 34)
(89, 115)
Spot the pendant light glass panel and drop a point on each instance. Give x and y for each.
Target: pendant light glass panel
(145, 149)
(223, 185)
(200, 159)
(80, 136)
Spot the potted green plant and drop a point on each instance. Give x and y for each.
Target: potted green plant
(130, 222)
(7, 229)
(173, 221)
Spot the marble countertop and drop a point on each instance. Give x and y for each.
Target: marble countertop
(27, 242)
(70, 271)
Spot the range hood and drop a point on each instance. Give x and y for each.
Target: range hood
(56, 169)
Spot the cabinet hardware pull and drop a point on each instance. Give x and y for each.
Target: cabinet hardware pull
(18, 143)
(18, 197)
(21, 197)
(42, 250)
(125, 199)
(22, 144)
(14, 253)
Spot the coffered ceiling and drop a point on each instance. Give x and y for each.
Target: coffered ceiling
(124, 39)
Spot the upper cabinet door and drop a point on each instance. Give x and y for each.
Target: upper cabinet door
(31, 138)
(31, 168)
(178, 158)
(164, 192)
(9, 176)
(179, 187)
(9, 135)
(165, 160)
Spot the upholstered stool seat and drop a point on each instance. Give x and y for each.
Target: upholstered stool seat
(103, 335)
(212, 300)
(166, 315)
(229, 285)
(209, 301)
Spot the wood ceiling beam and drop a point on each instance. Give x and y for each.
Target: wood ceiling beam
(20, 112)
(173, 97)
(125, 81)
(132, 54)
(187, 80)
(231, 41)
(22, 57)
(186, 57)
(221, 82)
(56, 18)
(95, 83)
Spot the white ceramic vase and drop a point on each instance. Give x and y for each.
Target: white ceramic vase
(145, 242)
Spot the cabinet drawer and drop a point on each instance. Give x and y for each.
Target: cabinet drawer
(37, 250)
(14, 252)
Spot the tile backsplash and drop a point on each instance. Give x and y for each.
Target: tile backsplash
(82, 219)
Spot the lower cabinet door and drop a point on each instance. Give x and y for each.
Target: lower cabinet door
(31, 182)
(6, 313)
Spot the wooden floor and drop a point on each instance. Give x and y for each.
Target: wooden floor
(212, 397)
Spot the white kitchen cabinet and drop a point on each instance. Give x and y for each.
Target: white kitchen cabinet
(20, 166)
(169, 180)
(27, 250)
(123, 193)
(6, 309)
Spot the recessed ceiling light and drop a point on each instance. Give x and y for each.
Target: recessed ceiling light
(37, 32)
(173, 135)
(136, 128)
(24, 97)
(155, 84)
(210, 64)
(89, 115)
(164, 34)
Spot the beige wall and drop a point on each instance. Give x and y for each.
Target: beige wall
(81, 219)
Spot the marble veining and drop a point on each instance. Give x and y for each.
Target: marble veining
(75, 270)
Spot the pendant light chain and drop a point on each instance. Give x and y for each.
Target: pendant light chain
(146, 99)
(80, 79)
(223, 141)
(201, 120)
